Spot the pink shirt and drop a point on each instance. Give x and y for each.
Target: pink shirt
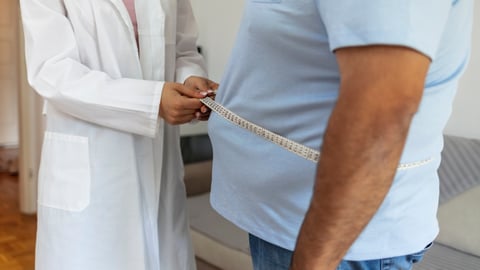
(130, 4)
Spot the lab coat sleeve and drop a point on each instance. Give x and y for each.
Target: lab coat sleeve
(56, 73)
(189, 62)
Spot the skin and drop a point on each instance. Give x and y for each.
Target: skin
(202, 84)
(380, 91)
(180, 102)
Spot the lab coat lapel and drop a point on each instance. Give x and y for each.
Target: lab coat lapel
(151, 24)
(122, 10)
(151, 15)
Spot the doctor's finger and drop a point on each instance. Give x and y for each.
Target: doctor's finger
(212, 85)
(189, 104)
(174, 111)
(202, 116)
(189, 92)
(175, 117)
(180, 120)
(206, 85)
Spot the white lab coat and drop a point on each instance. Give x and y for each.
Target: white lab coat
(111, 195)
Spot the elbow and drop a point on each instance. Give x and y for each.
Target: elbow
(405, 107)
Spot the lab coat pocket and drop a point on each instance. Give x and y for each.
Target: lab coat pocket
(64, 176)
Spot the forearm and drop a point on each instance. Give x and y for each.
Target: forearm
(357, 165)
(380, 91)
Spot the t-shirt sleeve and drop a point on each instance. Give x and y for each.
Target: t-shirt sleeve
(417, 24)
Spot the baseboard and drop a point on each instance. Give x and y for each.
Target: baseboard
(9, 158)
(219, 255)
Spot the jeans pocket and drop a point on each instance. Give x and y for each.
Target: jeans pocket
(64, 176)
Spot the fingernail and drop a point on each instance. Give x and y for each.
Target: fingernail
(204, 93)
(210, 91)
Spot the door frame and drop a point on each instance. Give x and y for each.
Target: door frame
(31, 126)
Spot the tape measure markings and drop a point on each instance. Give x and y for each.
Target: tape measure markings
(292, 146)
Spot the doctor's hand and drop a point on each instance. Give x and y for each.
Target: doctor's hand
(180, 104)
(202, 84)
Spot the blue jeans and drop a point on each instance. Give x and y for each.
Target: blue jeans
(266, 256)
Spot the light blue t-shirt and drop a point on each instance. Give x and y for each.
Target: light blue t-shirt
(283, 75)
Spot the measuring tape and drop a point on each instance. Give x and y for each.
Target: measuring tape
(292, 146)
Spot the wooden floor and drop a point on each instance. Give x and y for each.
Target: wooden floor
(17, 231)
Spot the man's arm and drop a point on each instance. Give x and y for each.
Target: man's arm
(380, 91)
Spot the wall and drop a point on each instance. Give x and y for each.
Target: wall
(8, 73)
(218, 21)
(465, 119)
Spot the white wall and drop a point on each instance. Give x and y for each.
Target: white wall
(465, 119)
(8, 73)
(218, 21)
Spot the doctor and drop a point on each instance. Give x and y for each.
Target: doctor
(111, 195)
